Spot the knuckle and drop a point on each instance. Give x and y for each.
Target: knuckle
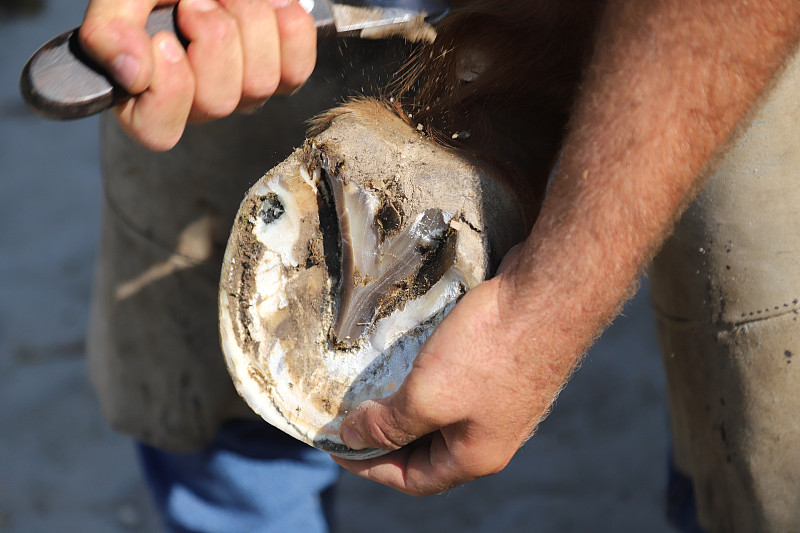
(244, 10)
(436, 486)
(493, 465)
(478, 462)
(419, 492)
(295, 22)
(385, 431)
(297, 66)
(158, 140)
(162, 143)
(297, 74)
(383, 438)
(214, 26)
(224, 28)
(250, 107)
(214, 109)
(215, 98)
(260, 87)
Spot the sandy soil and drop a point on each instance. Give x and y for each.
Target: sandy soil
(597, 464)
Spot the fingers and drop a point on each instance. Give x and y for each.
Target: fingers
(240, 52)
(258, 28)
(419, 469)
(298, 37)
(215, 55)
(428, 442)
(158, 117)
(435, 463)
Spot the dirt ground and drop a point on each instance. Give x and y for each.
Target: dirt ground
(597, 464)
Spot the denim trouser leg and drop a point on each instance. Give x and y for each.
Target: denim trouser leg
(251, 479)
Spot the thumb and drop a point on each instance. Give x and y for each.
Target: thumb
(389, 423)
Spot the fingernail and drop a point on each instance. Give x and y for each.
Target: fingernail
(170, 49)
(277, 4)
(352, 439)
(203, 5)
(126, 68)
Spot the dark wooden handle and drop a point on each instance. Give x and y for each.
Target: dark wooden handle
(61, 82)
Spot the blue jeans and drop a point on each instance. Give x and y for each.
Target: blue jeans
(252, 478)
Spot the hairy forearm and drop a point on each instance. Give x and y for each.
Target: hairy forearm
(667, 86)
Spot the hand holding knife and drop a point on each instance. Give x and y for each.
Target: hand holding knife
(61, 82)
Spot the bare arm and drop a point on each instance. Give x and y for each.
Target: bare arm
(667, 87)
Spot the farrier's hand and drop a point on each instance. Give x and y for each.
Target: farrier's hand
(240, 53)
(479, 387)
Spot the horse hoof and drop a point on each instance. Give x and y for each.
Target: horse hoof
(344, 258)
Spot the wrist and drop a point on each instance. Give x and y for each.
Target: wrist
(567, 281)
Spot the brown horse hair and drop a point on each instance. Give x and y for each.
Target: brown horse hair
(498, 84)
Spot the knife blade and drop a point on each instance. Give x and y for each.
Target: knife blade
(61, 82)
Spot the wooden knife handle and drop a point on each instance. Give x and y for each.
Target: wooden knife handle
(61, 82)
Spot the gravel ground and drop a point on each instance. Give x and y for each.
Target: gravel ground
(597, 464)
